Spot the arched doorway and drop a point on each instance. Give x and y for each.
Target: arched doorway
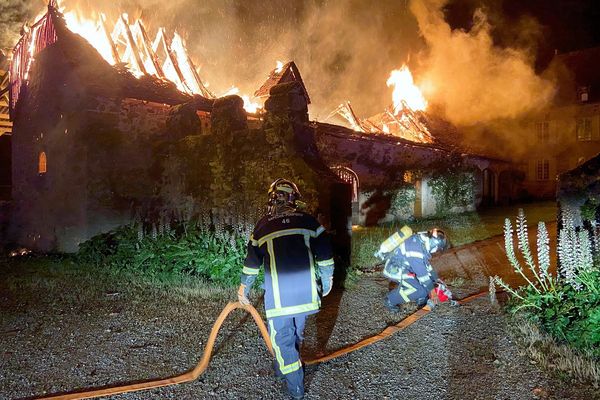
(350, 177)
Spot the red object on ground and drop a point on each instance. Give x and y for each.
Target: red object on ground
(442, 292)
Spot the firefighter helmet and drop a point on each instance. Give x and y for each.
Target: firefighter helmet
(437, 240)
(283, 193)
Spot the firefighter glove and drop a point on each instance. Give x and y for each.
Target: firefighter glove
(326, 279)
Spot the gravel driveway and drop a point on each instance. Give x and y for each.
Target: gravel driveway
(53, 340)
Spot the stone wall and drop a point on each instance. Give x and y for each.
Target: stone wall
(114, 160)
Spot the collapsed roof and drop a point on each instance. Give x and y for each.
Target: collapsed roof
(93, 69)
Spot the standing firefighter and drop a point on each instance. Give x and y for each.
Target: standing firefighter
(407, 258)
(290, 244)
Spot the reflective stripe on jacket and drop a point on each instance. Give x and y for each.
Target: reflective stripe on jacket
(288, 246)
(414, 258)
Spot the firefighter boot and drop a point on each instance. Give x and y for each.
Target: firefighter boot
(391, 307)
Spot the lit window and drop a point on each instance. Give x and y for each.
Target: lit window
(543, 170)
(42, 163)
(584, 129)
(408, 177)
(543, 131)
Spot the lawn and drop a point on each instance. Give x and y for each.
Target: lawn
(461, 229)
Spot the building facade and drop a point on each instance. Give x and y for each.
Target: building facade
(567, 134)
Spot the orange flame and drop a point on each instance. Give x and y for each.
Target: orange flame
(129, 43)
(250, 105)
(405, 93)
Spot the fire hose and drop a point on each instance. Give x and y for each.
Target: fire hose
(203, 364)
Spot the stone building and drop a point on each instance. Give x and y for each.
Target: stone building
(95, 147)
(566, 134)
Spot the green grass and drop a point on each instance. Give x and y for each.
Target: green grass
(71, 281)
(461, 229)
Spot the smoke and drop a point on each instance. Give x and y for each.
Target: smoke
(468, 77)
(13, 14)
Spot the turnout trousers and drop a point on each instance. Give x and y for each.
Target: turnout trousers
(287, 334)
(410, 289)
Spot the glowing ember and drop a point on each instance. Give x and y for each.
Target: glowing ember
(406, 93)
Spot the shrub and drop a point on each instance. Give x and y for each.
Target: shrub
(566, 305)
(453, 189)
(213, 250)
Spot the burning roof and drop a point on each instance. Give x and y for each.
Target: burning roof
(158, 70)
(405, 123)
(283, 73)
(404, 119)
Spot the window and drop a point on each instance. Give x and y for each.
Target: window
(584, 129)
(542, 170)
(543, 131)
(42, 163)
(583, 93)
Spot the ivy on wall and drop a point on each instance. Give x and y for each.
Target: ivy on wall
(589, 208)
(185, 173)
(452, 189)
(403, 200)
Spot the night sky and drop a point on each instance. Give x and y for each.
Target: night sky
(565, 25)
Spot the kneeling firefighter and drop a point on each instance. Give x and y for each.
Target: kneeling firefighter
(289, 243)
(406, 257)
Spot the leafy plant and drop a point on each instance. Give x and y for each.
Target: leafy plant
(452, 189)
(402, 200)
(567, 305)
(213, 249)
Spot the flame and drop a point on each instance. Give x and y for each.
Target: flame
(279, 67)
(250, 105)
(31, 51)
(92, 32)
(129, 43)
(402, 120)
(405, 93)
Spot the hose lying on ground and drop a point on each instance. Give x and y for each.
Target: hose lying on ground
(203, 364)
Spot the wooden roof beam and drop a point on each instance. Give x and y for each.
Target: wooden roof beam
(132, 46)
(149, 49)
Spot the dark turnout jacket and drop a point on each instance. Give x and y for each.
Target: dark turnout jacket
(290, 246)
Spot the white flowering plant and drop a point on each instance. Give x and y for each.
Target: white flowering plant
(565, 303)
